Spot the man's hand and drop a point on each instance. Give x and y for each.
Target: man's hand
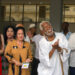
(29, 34)
(56, 46)
(51, 52)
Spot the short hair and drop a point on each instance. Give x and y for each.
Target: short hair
(22, 28)
(66, 23)
(41, 28)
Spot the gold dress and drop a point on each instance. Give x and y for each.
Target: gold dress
(13, 51)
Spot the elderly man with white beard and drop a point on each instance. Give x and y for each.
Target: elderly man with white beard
(53, 52)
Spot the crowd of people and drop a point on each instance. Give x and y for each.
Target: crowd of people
(45, 53)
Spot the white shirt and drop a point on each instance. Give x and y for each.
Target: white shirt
(36, 39)
(67, 35)
(72, 46)
(27, 38)
(52, 66)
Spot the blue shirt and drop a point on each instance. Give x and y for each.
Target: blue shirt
(67, 35)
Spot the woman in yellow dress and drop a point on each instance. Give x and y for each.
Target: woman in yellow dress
(18, 52)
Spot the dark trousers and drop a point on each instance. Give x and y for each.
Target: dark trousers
(34, 66)
(72, 70)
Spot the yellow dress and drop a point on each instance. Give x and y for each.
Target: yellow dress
(13, 51)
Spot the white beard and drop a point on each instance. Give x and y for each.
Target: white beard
(48, 33)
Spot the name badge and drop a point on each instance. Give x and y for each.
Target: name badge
(25, 65)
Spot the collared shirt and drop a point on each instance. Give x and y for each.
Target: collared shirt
(67, 35)
(27, 38)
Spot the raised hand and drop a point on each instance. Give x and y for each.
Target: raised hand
(29, 34)
(56, 46)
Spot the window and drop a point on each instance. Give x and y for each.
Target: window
(69, 13)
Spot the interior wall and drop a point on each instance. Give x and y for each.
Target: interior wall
(72, 27)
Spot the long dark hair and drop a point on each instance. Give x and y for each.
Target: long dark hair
(5, 31)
